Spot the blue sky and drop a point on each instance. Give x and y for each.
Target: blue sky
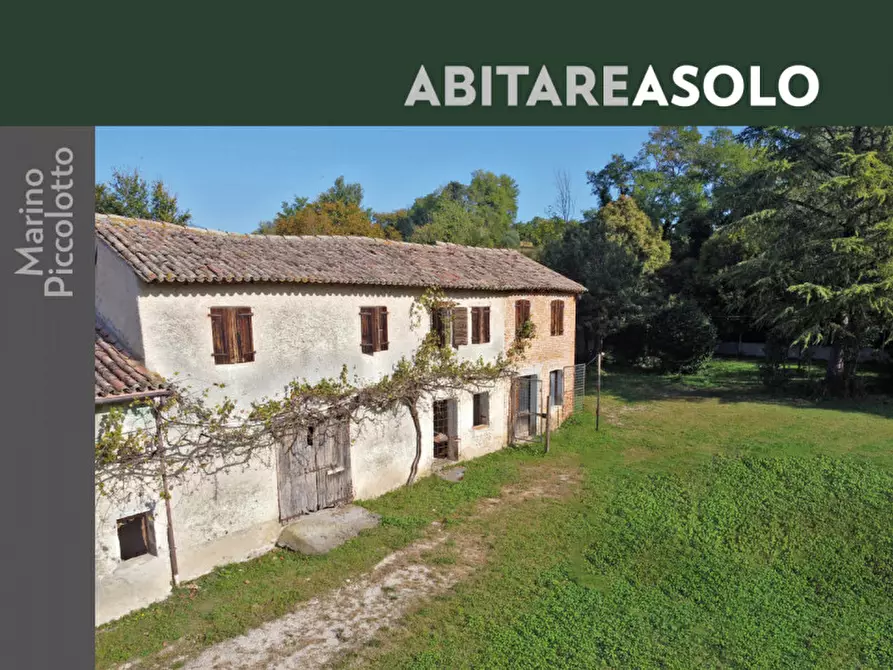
(232, 178)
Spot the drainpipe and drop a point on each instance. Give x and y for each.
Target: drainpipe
(165, 491)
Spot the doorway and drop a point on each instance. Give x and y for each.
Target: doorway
(524, 406)
(446, 430)
(314, 469)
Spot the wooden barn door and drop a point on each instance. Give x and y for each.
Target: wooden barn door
(314, 469)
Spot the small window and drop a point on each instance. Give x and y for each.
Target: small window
(136, 536)
(373, 329)
(556, 387)
(480, 325)
(522, 315)
(231, 332)
(310, 433)
(557, 323)
(481, 409)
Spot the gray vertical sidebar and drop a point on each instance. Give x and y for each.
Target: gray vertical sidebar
(46, 492)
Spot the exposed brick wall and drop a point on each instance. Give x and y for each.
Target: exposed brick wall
(547, 352)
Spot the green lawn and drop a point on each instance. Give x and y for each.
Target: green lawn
(714, 525)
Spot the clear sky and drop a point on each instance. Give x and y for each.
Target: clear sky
(233, 178)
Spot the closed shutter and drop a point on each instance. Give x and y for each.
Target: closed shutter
(219, 336)
(557, 327)
(476, 325)
(367, 343)
(460, 326)
(381, 328)
(522, 314)
(485, 321)
(244, 335)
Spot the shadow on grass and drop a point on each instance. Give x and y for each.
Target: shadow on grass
(732, 381)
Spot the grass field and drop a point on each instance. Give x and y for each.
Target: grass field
(710, 525)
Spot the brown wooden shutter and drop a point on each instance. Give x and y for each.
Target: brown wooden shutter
(460, 326)
(475, 325)
(367, 342)
(219, 336)
(382, 329)
(522, 314)
(485, 323)
(244, 334)
(561, 317)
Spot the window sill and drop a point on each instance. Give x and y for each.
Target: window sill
(483, 426)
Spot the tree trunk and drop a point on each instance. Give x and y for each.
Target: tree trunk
(165, 491)
(414, 413)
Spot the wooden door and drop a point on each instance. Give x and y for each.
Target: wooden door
(333, 480)
(314, 469)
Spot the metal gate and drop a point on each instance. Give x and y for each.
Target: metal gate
(579, 373)
(524, 408)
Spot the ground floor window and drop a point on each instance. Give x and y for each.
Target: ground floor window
(481, 409)
(136, 536)
(556, 387)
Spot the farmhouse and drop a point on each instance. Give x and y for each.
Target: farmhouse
(255, 312)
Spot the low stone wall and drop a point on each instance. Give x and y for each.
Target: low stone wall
(755, 350)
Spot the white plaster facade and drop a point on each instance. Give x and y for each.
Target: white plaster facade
(302, 331)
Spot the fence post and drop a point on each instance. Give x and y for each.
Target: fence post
(549, 420)
(598, 391)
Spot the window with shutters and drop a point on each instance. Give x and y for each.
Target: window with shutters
(480, 325)
(232, 335)
(481, 409)
(556, 387)
(522, 315)
(557, 323)
(373, 329)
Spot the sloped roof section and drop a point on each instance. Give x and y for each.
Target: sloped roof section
(117, 375)
(163, 253)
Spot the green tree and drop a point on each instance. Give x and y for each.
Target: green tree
(481, 213)
(620, 293)
(630, 227)
(127, 193)
(820, 216)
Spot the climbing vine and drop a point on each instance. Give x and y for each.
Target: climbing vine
(188, 433)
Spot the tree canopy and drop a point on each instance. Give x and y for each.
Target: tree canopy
(127, 193)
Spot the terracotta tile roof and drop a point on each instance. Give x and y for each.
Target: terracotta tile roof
(117, 375)
(166, 253)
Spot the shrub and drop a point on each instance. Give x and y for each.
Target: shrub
(682, 338)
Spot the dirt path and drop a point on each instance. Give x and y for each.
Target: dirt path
(320, 630)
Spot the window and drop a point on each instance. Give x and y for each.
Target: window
(450, 326)
(522, 315)
(232, 335)
(556, 387)
(557, 324)
(136, 535)
(373, 329)
(310, 432)
(440, 324)
(480, 325)
(481, 409)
